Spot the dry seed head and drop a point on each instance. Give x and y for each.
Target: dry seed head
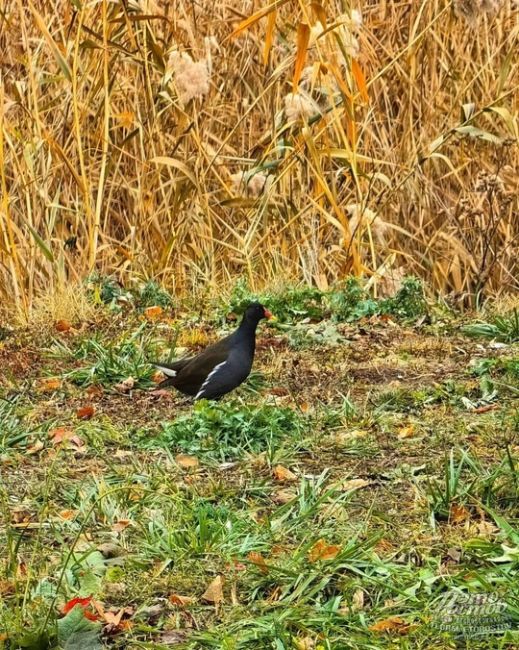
(246, 185)
(471, 10)
(360, 217)
(300, 106)
(191, 77)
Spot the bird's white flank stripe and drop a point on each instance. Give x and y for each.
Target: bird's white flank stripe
(167, 371)
(208, 378)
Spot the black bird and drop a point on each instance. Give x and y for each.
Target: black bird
(221, 367)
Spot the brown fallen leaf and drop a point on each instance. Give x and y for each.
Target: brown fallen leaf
(391, 624)
(35, 448)
(173, 637)
(62, 326)
(214, 592)
(67, 515)
(49, 385)
(486, 408)
(281, 473)
(157, 377)
(94, 391)
(60, 434)
(258, 559)
(153, 313)
(181, 601)
(121, 525)
(354, 484)
(406, 432)
(85, 412)
(321, 550)
(458, 514)
(187, 462)
(284, 496)
(125, 386)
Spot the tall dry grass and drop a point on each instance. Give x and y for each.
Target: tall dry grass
(195, 142)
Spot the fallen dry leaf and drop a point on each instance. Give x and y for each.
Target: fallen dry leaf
(153, 313)
(157, 377)
(321, 550)
(258, 560)
(62, 326)
(458, 514)
(406, 432)
(281, 473)
(60, 434)
(94, 391)
(214, 592)
(121, 525)
(187, 462)
(49, 385)
(173, 637)
(486, 408)
(391, 624)
(181, 601)
(35, 448)
(67, 515)
(85, 412)
(125, 386)
(354, 484)
(283, 496)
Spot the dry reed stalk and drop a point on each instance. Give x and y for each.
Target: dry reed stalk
(124, 129)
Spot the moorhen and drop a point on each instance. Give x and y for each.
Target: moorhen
(221, 367)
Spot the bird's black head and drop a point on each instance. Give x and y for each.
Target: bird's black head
(255, 312)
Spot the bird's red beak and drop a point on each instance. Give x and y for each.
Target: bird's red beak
(268, 314)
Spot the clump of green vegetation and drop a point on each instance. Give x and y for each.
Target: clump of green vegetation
(347, 302)
(350, 302)
(291, 303)
(109, 363)
(408, 302)
(501, 328)
(108, 290)
(226, 430)
(151, 294)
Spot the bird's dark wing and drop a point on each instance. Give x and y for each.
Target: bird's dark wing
(190, 377)
(224, 377)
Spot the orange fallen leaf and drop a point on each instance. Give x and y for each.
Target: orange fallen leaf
(67, 515)
(321, 550)
(152, 313)
(354, 484)
(85, 412)
(62, 326)
(214, 592)
(391, 624)
(283, 474)
(49, 385)
(187, 462)
(121, 525)
(157, 377)
(458, 514)
(34, 449)
(181, 601)
(486, 408)
(84, 603)
(258, 559)
(60, 434)
(406, 432)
